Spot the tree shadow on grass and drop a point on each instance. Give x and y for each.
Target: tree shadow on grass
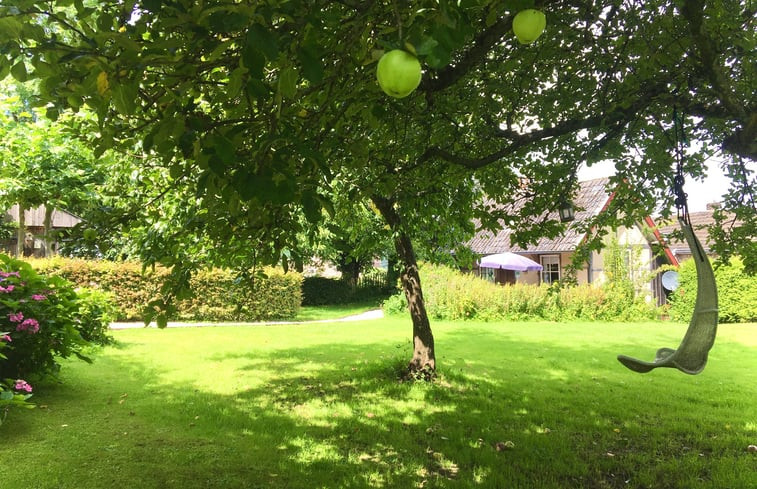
(520, 414)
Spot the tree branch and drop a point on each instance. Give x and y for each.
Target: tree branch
(619, 116)
(482, 44)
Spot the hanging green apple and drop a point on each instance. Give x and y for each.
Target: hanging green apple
(528, 25)
(398, 73)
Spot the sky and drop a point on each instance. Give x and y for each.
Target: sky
(700, 193)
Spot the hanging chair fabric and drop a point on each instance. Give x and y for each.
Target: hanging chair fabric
(691, 355)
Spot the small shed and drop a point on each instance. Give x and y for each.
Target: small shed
(34, 243)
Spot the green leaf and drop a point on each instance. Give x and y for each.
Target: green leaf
(83, 357)
(125, 98)
(254, 61)
(216, 166)
(227, 20)
(257, 89)
(151, 5)
(19, 71)
(311, 206)
(263, 40)
(10, 28)
(224, 149)
(6, 395)
(288, 82)
(312, 66)
(426, 46)
(235, 82)
(52, 113)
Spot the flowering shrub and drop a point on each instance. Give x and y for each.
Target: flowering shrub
(12, 392)
(43, 319)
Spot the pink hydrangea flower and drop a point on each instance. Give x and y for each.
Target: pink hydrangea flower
(10, 274)
(22, 385)
(7, 289)
(30, 325)
(6, 338)
(16, 317)
(38, 297)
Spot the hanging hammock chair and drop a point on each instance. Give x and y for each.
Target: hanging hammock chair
(691, 355)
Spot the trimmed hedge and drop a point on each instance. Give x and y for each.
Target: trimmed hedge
(737, 293)
(452, 295)
(131, 289)
(219, 296)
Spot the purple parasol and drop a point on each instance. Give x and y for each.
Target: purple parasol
(509, 261)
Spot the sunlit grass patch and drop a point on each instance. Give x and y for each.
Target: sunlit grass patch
(536, 405)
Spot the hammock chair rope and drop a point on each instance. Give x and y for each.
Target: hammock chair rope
(691, 355)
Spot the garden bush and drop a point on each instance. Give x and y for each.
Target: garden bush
(452, 295)
(12, 392)
(131, 288)
(219, 295)
(320, 291)
(43, 319)
(222, 296)
(737, 293)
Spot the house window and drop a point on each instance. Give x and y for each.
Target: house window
(551, 272)
(486, 274)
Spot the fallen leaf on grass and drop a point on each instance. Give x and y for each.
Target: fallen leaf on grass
(501, 446)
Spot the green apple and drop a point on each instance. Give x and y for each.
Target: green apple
(398, 73)
(528, 25)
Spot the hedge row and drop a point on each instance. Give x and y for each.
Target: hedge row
(319, 291)
(737, 293)
(219, 296)
(452, 295)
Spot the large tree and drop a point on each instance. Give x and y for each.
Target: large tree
(255, 108)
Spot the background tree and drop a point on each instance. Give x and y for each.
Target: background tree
(254, 109)
(41, 163)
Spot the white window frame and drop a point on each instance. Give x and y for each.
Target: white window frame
(487, 274)
(546, 272)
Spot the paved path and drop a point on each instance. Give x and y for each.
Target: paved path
(375, 314)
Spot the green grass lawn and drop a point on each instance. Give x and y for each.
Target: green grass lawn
(338, 311)
(517, 405)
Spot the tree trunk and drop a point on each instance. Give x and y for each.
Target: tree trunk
(424, 355)
(21, 231)
(350, 269)
(48, 231)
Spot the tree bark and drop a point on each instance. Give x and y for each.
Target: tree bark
(424, 355)
(350, 269)
(21, 231)
(48, 231)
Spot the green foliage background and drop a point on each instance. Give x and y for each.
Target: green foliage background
(737, 293)
(319, 291)
(452, 295)
(218, 294)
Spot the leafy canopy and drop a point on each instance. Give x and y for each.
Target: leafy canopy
(254, 109)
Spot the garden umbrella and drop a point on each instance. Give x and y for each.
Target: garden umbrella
(509, 261)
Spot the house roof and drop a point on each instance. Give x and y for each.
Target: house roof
(36, 217)
(700, 221)
(591, 199)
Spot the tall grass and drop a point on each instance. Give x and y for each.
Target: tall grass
(452, 295)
